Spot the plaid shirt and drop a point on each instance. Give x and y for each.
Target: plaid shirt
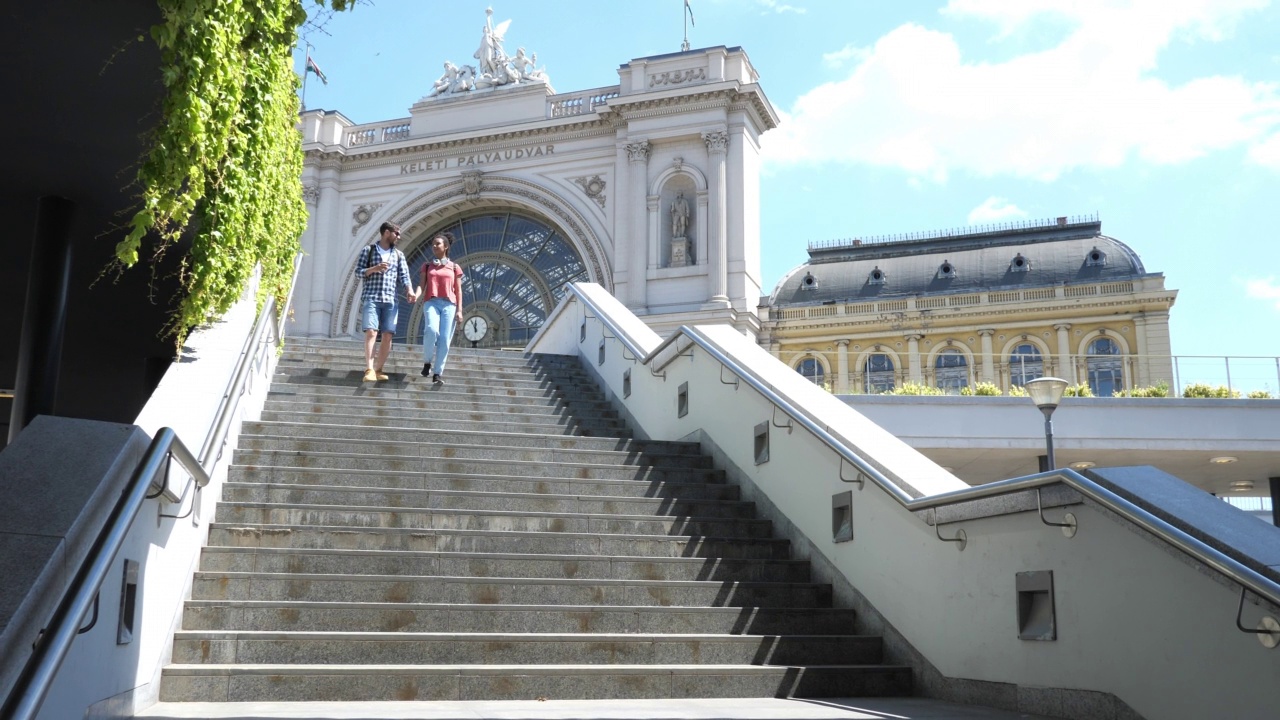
(381, 287)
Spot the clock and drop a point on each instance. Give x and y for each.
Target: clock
(475, 328)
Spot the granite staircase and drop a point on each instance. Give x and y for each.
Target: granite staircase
(498, 537)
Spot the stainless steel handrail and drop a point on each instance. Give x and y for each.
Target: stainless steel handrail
(215, 439)
(31, 686)
(235, 386)
(51, 647)
(1261, 585)
(283, 317)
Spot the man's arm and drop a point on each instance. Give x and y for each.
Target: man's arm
(404, 275)
(410, 292)
(362, 263)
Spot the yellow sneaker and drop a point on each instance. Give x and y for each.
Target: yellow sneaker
(382, 376)
(370, 375)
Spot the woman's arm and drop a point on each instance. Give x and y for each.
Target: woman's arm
(457, 292)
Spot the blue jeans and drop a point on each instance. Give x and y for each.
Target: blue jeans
(379, 316)
(438, 315)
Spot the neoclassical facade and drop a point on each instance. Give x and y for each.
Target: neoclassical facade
(949, 310)
(649, 188)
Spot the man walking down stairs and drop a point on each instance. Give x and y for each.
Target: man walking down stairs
(499, 538)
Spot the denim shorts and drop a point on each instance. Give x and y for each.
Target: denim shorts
(380, 316)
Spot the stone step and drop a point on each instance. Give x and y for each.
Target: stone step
(488, 648)
(550, 708)
(400, 351)
(453, 383)
(276, 683)
(356, 346)
(457, 449)
(522, 565)
(423, 389)
(526, 371)
(424, 617)
(515, 381)
(517, 465)
(450, 540)
(478, 411)
(443, 403)
(492, 483)
(503, 412)
(501, 591)
(527, 410)
(460, 352)
(354, 498)
(417, 387)
(563, 426)
(322, 432)
(508, 520)
(531, 375)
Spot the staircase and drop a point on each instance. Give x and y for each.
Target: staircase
(500, 537)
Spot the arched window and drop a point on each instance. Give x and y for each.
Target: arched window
(1025, 364)
(811, 369)
(952, 370)
(514, 272)
(878, 374)
(1106, 370)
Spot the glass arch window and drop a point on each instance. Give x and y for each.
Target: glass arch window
(1025, 364)
(1106, 369)
(878, 374)
(514, 269)
(952, 371)
(811, 370)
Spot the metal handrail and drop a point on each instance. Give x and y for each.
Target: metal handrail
(31, 686)
(283, 317)
(1238, 373)
(215, 439)
(1261, 585)
(267, 318)
(51, 647)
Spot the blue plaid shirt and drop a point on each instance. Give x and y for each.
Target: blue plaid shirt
(381, 287)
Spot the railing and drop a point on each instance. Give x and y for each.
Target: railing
(51, 647)
(267, 318)
(979, 298)
(1222, 376)
(392, 133)
(361, 135)
(1233, 570)
(581, 102)
(991, 229)
(367, 136)
(558, 106)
